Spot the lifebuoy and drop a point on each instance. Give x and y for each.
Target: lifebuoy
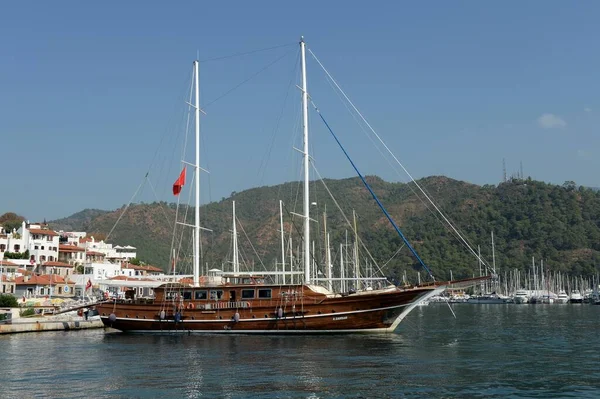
(190, 306)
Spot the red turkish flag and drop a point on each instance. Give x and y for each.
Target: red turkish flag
(179, 182)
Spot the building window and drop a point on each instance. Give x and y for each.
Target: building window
(51, 258)
(43, 258)
(36, 247)
(42, 247)
(2, 247)
(17, 248)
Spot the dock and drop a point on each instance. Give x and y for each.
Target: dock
(23, 326)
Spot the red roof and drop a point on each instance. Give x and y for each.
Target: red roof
(43, 279)
(7, 263)
(70, 248)
(57, 264)
(85, 239)
(43, 232)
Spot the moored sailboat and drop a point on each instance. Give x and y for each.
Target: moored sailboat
(248, 303)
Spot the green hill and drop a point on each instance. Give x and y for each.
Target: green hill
(560, 224)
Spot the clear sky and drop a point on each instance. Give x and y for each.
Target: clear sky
(92, 93)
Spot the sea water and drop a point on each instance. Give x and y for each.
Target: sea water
(487, 351)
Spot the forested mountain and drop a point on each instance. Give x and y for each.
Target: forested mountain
(560, 224)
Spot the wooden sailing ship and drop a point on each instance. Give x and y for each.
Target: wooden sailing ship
(250, 303)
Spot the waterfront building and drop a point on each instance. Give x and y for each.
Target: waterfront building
(71, 254)
(57, 268)
(34, 285)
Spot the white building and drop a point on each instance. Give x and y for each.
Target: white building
(71, 254)
(71, 237)
(11, 241)
(42, 242)
(116, 254)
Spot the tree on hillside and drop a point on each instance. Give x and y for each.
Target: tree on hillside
(11, 220)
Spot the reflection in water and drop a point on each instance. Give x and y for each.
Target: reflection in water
(487, 351)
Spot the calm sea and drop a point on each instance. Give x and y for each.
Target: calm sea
(487, 351)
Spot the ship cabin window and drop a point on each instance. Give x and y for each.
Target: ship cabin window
(216, 294)
(172, 295)
(201, 294)
(248, 294)
(264, 293)
(187, 295)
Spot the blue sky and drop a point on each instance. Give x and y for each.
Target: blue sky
(92, 94)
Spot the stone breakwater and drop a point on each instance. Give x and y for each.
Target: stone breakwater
(23, 326)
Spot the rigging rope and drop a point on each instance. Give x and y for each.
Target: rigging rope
(247, 52)
(458, 234)
(127, 206)
(374, 195)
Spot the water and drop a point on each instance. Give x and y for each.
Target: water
(489, 351)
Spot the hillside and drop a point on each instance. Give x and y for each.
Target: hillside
(560, 224)
(79, 221)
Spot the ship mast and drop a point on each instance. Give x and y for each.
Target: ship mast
(307, 276)
(236, 260)
(197, 182)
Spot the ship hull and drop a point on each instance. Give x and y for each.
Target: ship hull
(375, 311)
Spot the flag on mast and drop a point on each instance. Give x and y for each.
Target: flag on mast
(179, 182)
(88, 285)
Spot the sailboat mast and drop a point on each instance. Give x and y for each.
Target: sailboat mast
(282, 241)
(197, 182)
(307, 276)
(236, 260)
(493, 254)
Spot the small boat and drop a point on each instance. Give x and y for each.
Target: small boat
(576, 297)
(491, 298)
(562, 297)
(521, 296)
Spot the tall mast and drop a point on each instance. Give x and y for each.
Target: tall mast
(197, 183)
(356, 255)
(306, 169)
(493, 254)
(282, 240)
(236, 260)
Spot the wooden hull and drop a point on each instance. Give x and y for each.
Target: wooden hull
(372, 311)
